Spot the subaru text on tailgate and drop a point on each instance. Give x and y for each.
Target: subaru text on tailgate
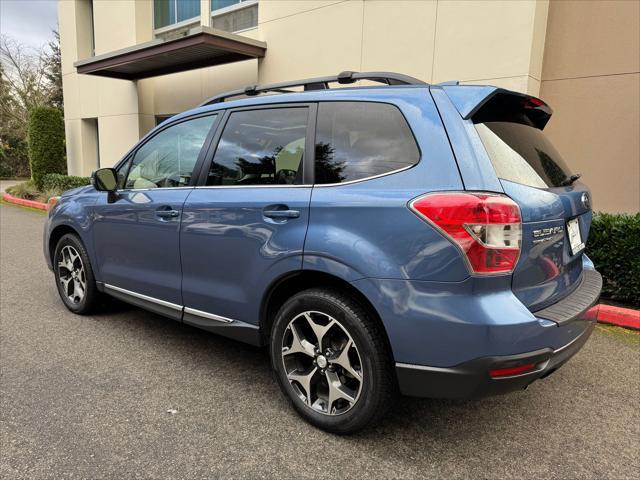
(404, 238)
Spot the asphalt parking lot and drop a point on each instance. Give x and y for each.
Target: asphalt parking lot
(87, 397)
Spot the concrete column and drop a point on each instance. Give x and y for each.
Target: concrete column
(205, 12)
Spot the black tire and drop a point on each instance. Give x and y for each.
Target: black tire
(378, 387)
(90, 299)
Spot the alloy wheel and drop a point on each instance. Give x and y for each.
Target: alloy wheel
(322, 363)
(71, 274)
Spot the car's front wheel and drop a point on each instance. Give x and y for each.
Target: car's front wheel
(74, 275)
(332, 361)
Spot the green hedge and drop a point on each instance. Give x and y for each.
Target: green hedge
(614, 247)
(46, 143)
(60, 183)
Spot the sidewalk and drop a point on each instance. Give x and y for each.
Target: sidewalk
(4, 184)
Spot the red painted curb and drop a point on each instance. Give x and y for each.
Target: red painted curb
(25, 203)
(621, 317)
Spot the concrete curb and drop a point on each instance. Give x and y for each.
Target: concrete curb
(621, 317)
(25, 203)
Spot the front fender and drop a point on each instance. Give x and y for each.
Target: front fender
(76, 213)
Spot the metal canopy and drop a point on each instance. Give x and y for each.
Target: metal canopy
(201, 47)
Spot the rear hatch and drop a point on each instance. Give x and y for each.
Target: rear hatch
(555, 207)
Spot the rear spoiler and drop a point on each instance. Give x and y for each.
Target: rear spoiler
(481, 103)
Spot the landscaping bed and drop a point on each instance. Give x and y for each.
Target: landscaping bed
(53, 184)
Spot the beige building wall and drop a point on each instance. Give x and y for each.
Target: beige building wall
(113, 102)
(497, 42)
(591, 79)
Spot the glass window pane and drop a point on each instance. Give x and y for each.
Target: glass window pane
(356, 140)
(122, 172)
(168, 159)
(522, 154)
(188, 9)
(164, 13)
(261, 147)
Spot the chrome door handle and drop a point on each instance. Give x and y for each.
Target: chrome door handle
(281, 213)
(167, 213)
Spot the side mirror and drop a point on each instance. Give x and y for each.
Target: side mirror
(106, 180)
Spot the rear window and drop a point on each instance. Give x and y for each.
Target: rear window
(522, 154)
(357, 140)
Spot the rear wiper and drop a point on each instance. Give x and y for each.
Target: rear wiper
(570, 180)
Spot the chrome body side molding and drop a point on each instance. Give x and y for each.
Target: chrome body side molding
(152, 304)
(209, 316)
(228, 327)
(146, 298)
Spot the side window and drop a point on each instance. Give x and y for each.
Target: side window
(261, 147)
(168, 159)
(356, 140)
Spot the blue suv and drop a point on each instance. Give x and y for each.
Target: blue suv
(408, 238)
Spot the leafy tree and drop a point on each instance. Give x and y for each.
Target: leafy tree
(53, 71)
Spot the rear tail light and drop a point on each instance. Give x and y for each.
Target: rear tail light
(485, 226)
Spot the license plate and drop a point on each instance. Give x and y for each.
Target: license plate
(575, 239)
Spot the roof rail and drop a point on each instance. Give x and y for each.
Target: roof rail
(319, 83)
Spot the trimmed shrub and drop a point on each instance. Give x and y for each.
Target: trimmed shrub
(60, 183)
(46, 143)
(614, 247)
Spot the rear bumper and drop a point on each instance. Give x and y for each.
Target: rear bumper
(471, 379)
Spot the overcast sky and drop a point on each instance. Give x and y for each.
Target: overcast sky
(29, 21)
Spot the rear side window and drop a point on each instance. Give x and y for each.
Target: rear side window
(357, 140)
(261, 147)
(522, 154)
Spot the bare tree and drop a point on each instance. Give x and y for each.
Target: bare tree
(29, 78)
(24, 78)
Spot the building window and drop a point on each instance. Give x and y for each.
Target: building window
(93, 32)
(234, 15)
(171, 12)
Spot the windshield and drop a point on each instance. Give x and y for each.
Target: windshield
(522, 154)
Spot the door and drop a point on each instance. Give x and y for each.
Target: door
(246, 225)
(137, 237)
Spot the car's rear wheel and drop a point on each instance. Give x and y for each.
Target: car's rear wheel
(74, 275)
(332, 361)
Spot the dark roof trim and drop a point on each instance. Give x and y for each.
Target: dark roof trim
(201, 47)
